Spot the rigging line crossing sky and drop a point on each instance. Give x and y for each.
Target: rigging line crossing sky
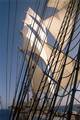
(8, 25)
(12, 49)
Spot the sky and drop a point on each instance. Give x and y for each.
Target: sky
(10, 36)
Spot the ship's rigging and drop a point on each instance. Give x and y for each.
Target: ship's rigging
(61, 70)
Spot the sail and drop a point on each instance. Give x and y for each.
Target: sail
(29, 26)
(47, 48)
(62, 3)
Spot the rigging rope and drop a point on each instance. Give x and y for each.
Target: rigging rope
(7, 52)
(12, 49)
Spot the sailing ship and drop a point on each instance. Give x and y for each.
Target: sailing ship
(51, 48)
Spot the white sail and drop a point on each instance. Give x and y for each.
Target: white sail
(47, 49)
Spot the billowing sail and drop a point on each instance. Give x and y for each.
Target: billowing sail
(31, 25)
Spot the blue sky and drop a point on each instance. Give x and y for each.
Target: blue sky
(13, 43)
